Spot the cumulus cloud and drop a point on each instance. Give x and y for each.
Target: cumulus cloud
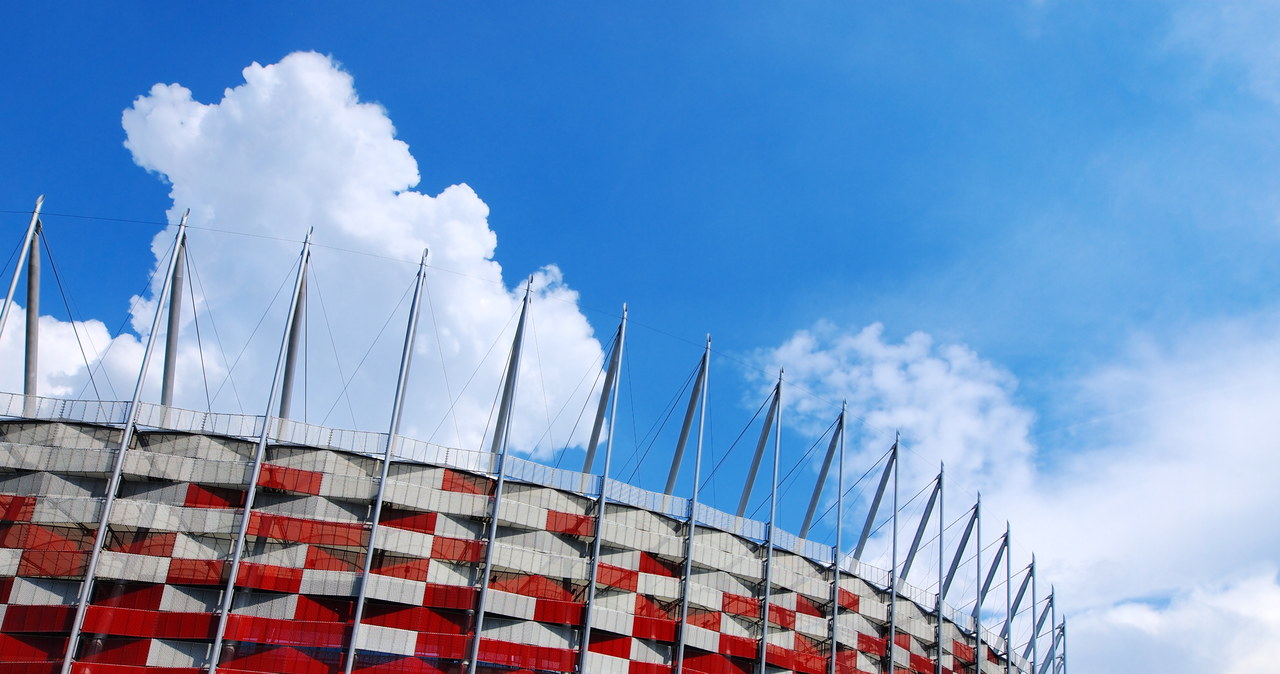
(294, 147)
(1164, 489)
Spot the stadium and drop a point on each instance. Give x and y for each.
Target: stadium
(139, 537)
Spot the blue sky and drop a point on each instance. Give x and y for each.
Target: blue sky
(1072, 205)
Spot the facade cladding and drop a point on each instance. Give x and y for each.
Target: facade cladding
(154, 603)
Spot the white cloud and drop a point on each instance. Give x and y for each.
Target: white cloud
(1167, 489)
(292, 148)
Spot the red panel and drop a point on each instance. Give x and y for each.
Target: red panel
(115, 651)
(783, 617)
(742, 647)
(267, 577)
(654, 628)
(450, 596)
(466, 483)
(6, 585)
(648, 668)
(48, 538)
(779, 656)
(20, 648)
(848, 600)
(523, 655)
(707, 620)
(748, 607)
(151, 624)
(808, 646)
(128, 595)
(921, 664)
(613, 645)
(701, 662)
(872, 645)
(323, 609)
(255, 658)
(43, 563)
(961, 650)
(558, 612)
(109, 668)
(452, 646)
(809, 663)
(537, 586)
(903, 639)
(657, 566)
(409, 568)
(286, 632)
(568, 523)
(409, 519)
(290, 479)
(648, 608)
(37, 619)
(808, 607)
(333, 559)
(301, 530)
(457, 549)
(142, 542)
(416, 618)
(199, 496)
(16, 508)
(195, 572)
(409, 665)
(609, 575)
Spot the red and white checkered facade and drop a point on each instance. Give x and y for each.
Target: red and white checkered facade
(173, 525)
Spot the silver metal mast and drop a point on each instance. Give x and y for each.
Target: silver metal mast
(31, 364)
(977, 604)
(836, 549)
(603, 501)
(942, 527)
(1007, 630)
(700, 394)
(393, 434)
(757, 457)
(610, 379)
(1035, 630)
(875, 502)
(291, 354)
(1008, 601)
(113, 485)
(822, 482)
(499, 449)
(893, 562)
(773, 523)
(268, 421)
(686, 427)
(1038, 627)
(22, 258)
(175, 322)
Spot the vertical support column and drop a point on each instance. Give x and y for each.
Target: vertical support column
(893, 562)
(113, 484)
(603, 501)
(942, 526)
(700, 395)
(22, 258)
(1008, 601)
(1035, 628)
(291, 357)
(977, 603)
(175, 323)
(393, 433)
(834, 629)
(237, 553)
(31, 364)
(501, 434)
(773, 522)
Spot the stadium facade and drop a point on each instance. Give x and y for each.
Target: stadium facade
(141, 538)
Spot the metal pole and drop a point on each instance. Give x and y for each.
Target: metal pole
(977, 603)
(1008, 600)
(603, 501)
(919, 537)
(773, 513)
(291, 357)
(817, 487)
(228, 591)
(175, 320)
(893, 562)
(701, 390)
(113, 485)
(875, 503)
(836, 549)
(610, 377)
(22, 258)
(942, 525)
(397, 406)
(757, 457)
(1035, 629)
(684, 430)
(499, 447)
(32, 362)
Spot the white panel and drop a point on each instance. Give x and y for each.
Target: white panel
(387, 639)
(606, 664)
(141, 568)
(662, 587)
(189, 599)
(9, 560)
(612, 621)
(404, 541)
(276, 553)
(510, 604)
(333, 583)
(398, 590)
(451, 573)
(43, 592)
(171, 653)
(265, 604)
